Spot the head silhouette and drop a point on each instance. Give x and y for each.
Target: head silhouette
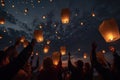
(79, 64)
(47, 63)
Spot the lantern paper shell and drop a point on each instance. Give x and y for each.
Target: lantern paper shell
(55, 58)
(63, 50)
(2, 21)
(25, 43)
(38, 35)
(85, 55)
(109, 30)
(65, 16)
(46, 49)
(22, 39)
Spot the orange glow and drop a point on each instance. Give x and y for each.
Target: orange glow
(103, 51)
(2, 21)
(85, 56)
(48, 42)
(25, 43)
(55, 58)
(109, 30)
(63, 50)
(22, 39)
(65, 16)
(1, 37)
(46, 49)
(38, 34)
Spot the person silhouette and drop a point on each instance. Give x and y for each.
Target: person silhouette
(48, 71)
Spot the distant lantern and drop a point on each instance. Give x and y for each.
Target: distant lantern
(46, 49)
(48, 42)
(109, 30)
(2, 3)
(25, 43)
(37, 54)
(63, 50)
(1, 37)
(22, 39)
(85, 55)
(65, 16)
(93, 14)
(103, 51)
(44, 17)
(2, 21)
(13, 5)
(26, 10)
(38, 1)
(55, 58)
(38, 34)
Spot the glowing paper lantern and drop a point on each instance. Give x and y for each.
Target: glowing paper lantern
(103, 51)
(63, 50)
(48, 42)
(55, 58)
(46, 49)
(22, 39)
(1, 37)
(26, 10)
(25, 43)
(2, 21)
(38, 34)
(65, 16)
(109, 30)
(85, 55)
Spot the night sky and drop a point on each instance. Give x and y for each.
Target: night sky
(45, 14)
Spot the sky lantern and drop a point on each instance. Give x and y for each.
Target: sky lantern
(63, 50)
(103, 51)
(38, 34)
(93, 15)
(109, 30)
(85, 55)
(48, 42)
(2, 21)
(25, 43)
(2, 3)
(55, 58)
(65, 16)
(26, 10)
(46, 49)
(22, 39)
(1, 37)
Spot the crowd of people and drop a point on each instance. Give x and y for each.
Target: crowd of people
(14, 66)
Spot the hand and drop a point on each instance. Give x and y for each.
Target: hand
(112, 49)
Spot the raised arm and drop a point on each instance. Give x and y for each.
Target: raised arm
(11, 69)
(106, 73)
